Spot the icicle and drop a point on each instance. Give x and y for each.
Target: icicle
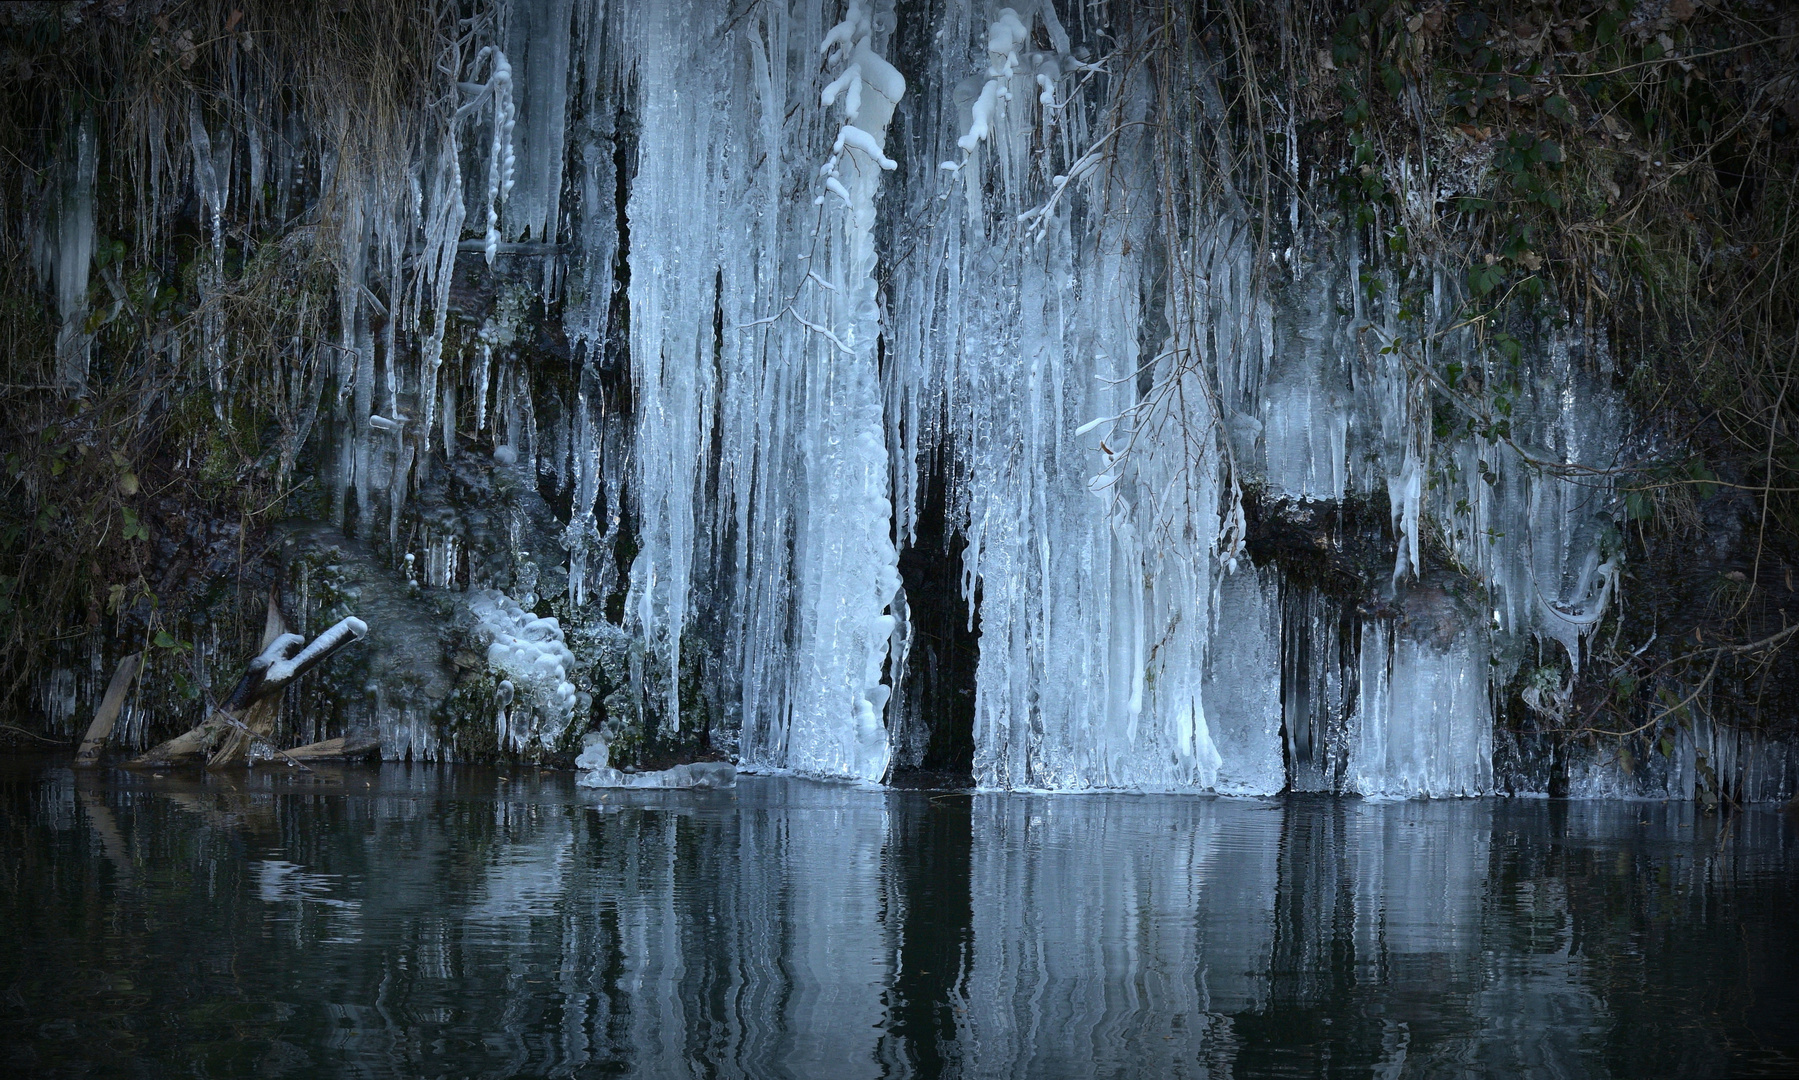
(1405, 494)
(501, 159)
(537, 55)
(481, 376)
(74, 252)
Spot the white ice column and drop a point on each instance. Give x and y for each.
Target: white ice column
(71, 242)
(761, 442)
(677, 199)
(1087, 494)
(846, 570)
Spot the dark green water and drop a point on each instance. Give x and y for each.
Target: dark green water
(425, 922)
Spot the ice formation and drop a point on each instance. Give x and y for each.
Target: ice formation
(786, 403)
(73, 250)
(832, 279)
(289, 654)
(597, 772)
(535, 700)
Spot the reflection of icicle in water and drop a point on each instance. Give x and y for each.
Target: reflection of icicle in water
(1044, 907)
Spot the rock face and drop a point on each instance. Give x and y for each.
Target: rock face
(394, 687)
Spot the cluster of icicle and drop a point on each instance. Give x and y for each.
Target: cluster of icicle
(1106, 358)
(1101, 429)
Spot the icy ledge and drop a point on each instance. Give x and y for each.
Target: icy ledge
(596, 773)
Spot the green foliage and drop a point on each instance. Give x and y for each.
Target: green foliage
(1630, 167)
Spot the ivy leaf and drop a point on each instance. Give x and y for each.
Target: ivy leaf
(1706, 480)
(1484, 279)
(1509, 347)
(1559, 107)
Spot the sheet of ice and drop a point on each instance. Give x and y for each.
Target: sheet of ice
(1090, 546)
(1424, 727)
(790, 386)
(72, 250)
(537, 56)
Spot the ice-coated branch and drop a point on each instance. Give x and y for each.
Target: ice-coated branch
(817, 329)
(285, 660)
(850, 80)
(1083, 165)
(863, 130)
(856, 23)
(1006, 34)
(854, 137)
(346, 631)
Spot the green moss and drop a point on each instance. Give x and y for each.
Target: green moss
(469, 717)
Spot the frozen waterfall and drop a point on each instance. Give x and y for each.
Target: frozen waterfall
(838, 272)
(886, 325)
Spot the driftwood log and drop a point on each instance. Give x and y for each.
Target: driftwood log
(245, 720)
(100, 731)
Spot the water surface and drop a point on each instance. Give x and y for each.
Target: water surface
(426, 921)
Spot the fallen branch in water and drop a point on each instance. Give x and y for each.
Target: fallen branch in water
(342, 748)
